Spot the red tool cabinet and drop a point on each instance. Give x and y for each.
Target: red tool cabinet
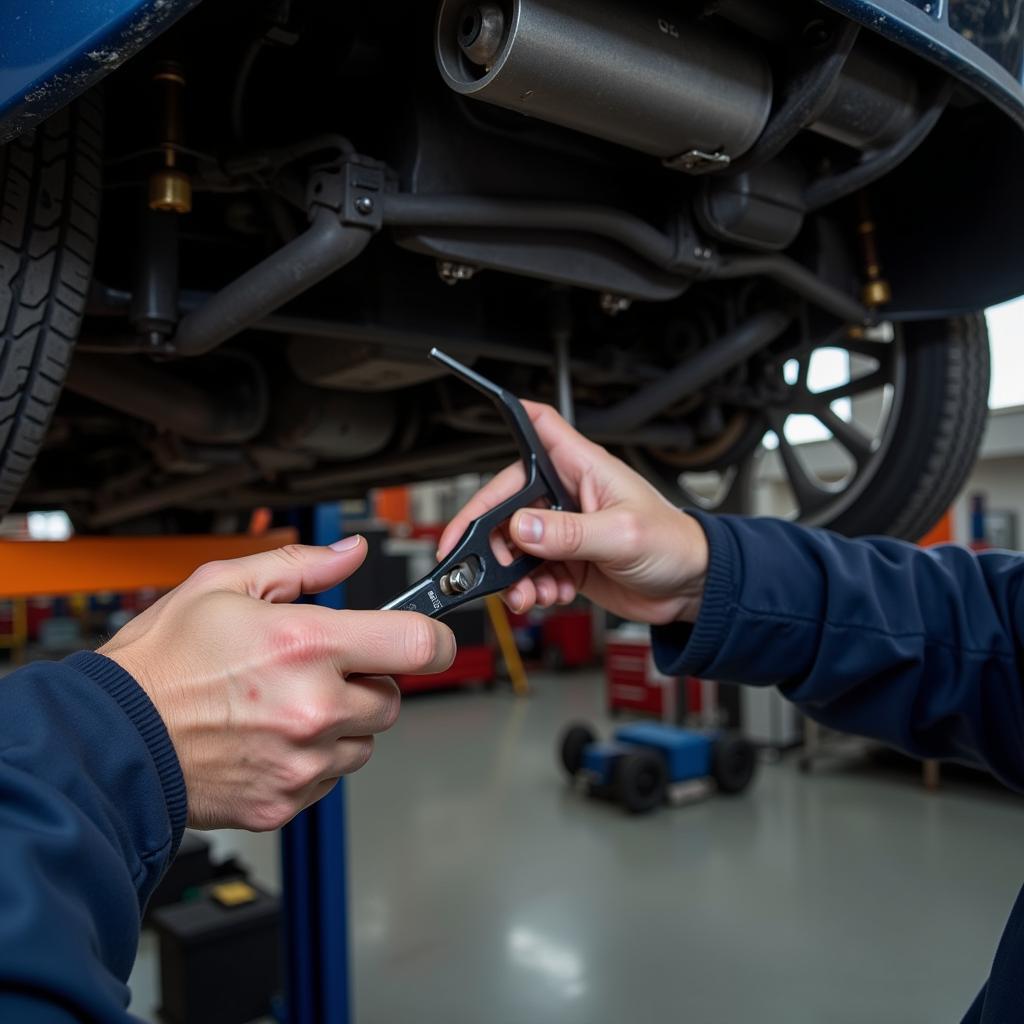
(634, 683)
(471, 665)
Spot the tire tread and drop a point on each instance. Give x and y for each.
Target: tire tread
(945, 442)
(50, 182)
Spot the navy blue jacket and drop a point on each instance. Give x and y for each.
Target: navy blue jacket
(92, 808)
(922, 649)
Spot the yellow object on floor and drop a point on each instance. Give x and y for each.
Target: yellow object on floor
(507, 643)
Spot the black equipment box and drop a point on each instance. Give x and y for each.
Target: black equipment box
(219, 955)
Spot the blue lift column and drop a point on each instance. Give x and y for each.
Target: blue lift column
(314, 867)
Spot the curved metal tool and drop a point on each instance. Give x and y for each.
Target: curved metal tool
(472, 570)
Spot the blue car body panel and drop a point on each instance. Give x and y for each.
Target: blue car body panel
(53, 50)
(687, 752)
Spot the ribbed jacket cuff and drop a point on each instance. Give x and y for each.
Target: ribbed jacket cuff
(684, 649)
(135, 703)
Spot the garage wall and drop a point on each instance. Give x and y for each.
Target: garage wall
(1002, 483)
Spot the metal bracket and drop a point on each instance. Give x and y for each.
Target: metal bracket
(693, 255)
(696, 161)
(352, 189)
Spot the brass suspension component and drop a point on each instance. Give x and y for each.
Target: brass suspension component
(170, 188)
(877, 291)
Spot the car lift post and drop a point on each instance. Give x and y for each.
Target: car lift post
(314, 871)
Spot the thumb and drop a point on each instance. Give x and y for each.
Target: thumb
(282, 574)
(568, 536)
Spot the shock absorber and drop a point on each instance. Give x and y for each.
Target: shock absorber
(877, 291)
(154, 310)
(170, 188)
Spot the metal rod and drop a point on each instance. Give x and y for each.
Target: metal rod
(670, 435)
(561, 335)
(403, 210)
(178, 492)
(414, 339)
(324, 247)
(796, 278)
(563, 379)
(448, 458)
(560, 324)
(712, 361)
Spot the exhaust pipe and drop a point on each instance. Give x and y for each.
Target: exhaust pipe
(611, 69)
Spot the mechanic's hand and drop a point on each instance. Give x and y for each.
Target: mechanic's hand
(628, 550)
(268, 703)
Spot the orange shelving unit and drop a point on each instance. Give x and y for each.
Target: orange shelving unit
(86, 565)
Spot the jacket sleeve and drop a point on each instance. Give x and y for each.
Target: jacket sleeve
(920, 648)
(92, 808)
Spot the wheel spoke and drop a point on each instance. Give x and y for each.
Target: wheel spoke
(801, 373)
(810, 497)
(738, 499)
(879, 350)
(785, 391)
(855, 441)
(858, 386)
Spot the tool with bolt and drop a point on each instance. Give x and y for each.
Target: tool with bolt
(472, 570)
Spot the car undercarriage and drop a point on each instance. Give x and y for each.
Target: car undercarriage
(240, 247)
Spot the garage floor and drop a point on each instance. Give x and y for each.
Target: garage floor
(483, 889)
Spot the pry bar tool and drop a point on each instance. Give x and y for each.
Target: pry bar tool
(472, 570)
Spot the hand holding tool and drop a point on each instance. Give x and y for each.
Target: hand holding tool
(472, 570)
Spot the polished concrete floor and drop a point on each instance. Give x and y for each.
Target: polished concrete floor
(484, 890)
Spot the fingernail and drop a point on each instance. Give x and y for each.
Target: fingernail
(530, 528)
(515, 601)
(346, 543)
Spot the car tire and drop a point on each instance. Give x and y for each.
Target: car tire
(937, 435)
(49, 217)
(733, 763)
(575, 740)
(640, 781)
(940, 410)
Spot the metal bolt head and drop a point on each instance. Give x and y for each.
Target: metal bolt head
(452, 273)
(363, 205)
(459, 580)
(613, 304)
